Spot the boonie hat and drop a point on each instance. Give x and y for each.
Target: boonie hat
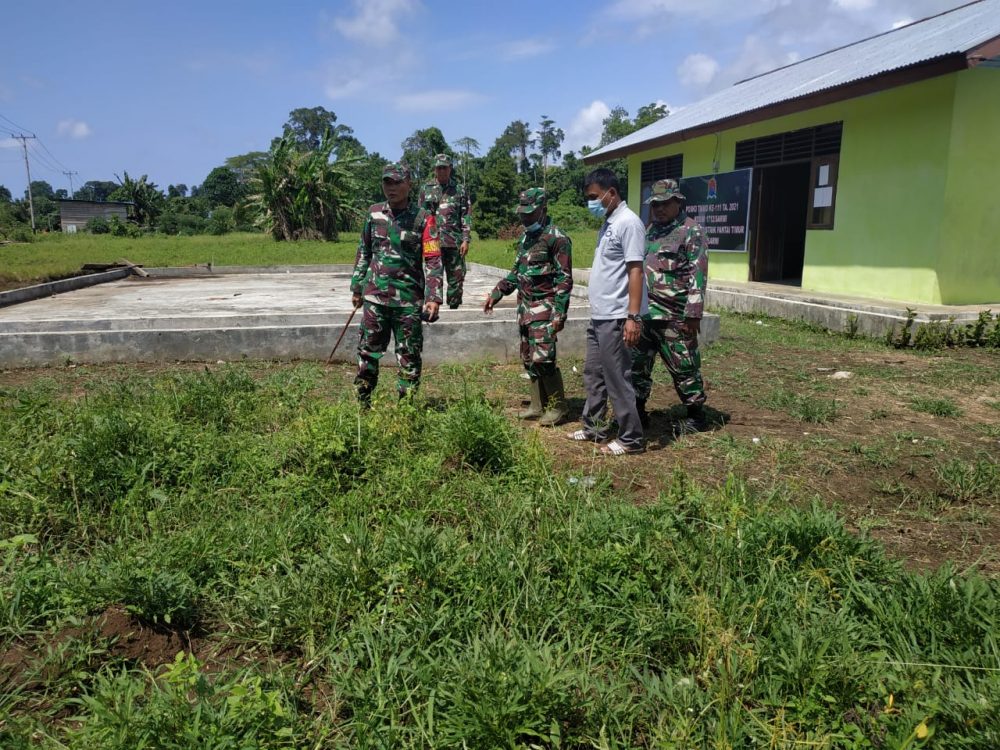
(664, 190)
(442, 160)
(531, 199)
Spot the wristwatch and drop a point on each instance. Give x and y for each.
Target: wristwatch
(635, 317)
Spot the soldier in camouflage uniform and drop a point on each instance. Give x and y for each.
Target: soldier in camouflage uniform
(454, 222)
(398, 240)
(676, 269)
(542, 276)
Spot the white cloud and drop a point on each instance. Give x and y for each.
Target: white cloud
(587, 126)
(902, 22)
(73, 129)
(697, 70)
(9, 143)
(853, 5)
(375, 21)
(525, 48)
(436, 100)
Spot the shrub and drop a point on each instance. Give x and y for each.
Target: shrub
(98, 225)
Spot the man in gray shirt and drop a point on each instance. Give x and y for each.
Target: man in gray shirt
(617, 291)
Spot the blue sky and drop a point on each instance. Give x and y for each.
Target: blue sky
(173, 89)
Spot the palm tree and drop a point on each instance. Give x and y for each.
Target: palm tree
(302, 194)
(145, 197)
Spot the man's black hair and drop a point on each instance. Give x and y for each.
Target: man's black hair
(604, 178)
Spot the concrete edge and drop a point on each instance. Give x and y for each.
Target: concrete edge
(874, 321)
(445, 341)
(50, 288)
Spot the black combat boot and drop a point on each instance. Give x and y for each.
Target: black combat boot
(552, 387)
(535, 410)
(695, 421)
(640, 407)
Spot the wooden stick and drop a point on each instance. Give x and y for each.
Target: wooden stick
(133, 267)
(329, 360)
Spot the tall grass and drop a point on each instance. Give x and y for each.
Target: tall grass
(421, 575)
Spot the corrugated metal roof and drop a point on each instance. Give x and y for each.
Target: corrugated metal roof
(954, 32)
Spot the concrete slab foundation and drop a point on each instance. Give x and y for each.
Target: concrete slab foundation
(295, 312)
(872, 317)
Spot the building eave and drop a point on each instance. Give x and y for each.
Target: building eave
(943, 65)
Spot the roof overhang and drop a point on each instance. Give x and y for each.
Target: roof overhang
(943, 65)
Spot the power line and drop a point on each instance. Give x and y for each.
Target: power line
(44, 161)
(31, 201)
(51, 154)
(19, 127)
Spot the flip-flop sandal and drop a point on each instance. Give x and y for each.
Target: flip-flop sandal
(614, 448)
(582, 436)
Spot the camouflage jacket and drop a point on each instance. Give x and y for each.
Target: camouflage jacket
(454, 214)
(389, 268)
(676, 269)
(542, 275)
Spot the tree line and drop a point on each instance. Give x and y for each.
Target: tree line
(317, 178)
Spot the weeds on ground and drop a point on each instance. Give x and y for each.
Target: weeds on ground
(937, 407)
(802, 406)
(421, 576)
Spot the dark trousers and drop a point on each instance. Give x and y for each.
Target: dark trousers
(607, 374)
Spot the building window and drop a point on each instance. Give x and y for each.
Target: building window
(822, 192)
(788, 148)
(669, 167)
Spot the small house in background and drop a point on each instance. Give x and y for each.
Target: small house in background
(74, 215)
(869, 170)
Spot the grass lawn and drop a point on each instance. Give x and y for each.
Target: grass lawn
(235, 556)
(57, 255)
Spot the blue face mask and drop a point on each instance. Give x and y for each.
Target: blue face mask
(597, 208)
(531, 228)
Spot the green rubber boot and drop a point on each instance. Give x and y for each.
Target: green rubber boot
(535, 410)
(553, 388)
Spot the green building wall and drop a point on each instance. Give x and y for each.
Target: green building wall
(916, 218)
(969, 263)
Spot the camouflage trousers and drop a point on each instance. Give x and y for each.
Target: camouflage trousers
(680, 354)
(538, 348)
(378, 322)
(454, 268)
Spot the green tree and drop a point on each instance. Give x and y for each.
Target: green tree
(550, 140)
(302, 194)
(222, 187)
(650, 113)
(245, 165)
(5, 195)
(466, 146)
(40, 189)
(146, 199)
(177, 191)
(419, 151)
(96, 190)
(616, 125)
(306, 128)
(497, 188)
(517, 139)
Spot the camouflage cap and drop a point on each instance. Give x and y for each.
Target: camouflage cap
(395, 170)
(530, 200)
(432, 196)
(664, 190)
(442, 160)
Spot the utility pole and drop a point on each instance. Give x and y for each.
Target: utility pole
(31, 201)
(72, 193)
